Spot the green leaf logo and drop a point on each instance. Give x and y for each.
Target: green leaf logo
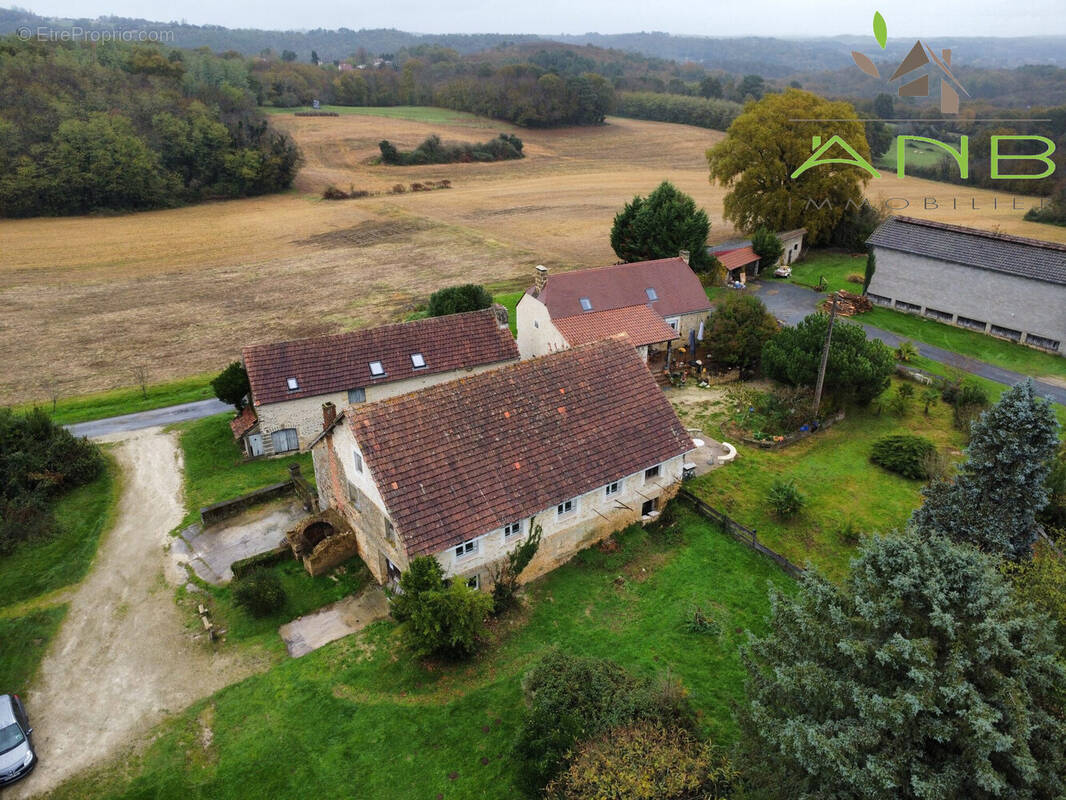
(880, 29)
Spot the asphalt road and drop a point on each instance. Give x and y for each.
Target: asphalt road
(149, 419)
(791, 303)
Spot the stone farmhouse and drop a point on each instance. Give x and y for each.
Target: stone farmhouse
(581, 443)
(653, 302)
(1006, 286)
(291, 380)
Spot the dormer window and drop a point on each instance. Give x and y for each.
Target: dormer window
(376, 369)
(586, 304)
(650, 292)
(293, 384)
(418, 361)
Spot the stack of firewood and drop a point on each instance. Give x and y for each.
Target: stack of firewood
(848, 304)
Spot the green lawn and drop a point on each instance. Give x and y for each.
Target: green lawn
(361, 718)
(40, 566)
(998, 352)
(215, 471)
(429, 114)
(919, 154)
(24, 641)
(127, 400)
(833, 470)
(835, 266)
(304, 594)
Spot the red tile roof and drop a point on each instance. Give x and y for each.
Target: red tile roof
(329, 364)
(459, 459)
(640, 323)
(678, 289)
(737, 258)
(243, 422)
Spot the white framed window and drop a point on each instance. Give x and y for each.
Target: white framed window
(292, 383)
(613, 488)
(357, 459)
(586, 304)
(474, 582)
(466, 549)
(285, 440)
(650, 292)
(357, 395)
(564, 508)
(377, 369)
(512, 529)
(651, 473)
(675, 323)
(418, 361)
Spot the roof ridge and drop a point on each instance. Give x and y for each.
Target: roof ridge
(963, 229)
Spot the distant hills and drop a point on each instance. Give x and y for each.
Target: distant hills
(770, 57)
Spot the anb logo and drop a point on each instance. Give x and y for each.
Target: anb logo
(920, 55)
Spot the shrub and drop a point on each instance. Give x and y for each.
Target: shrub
(457, 299)
(785, 499)
(904, 454)
(856, 277)
(505, 579)
(571, 699)
(331, 192)
(259, 592)
(645, 762)
(444, 619)
(698, 621)
(737, 329)
(907, 351)
(433, 151)
(232, 386)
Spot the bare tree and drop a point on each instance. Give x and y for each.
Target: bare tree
(140, 372)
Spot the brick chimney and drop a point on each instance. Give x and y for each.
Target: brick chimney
(329, 414)
(540, 278)
(684, 255)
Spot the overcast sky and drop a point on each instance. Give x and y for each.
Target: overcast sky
(711, 17)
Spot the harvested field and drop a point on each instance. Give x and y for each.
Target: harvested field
(87, 299)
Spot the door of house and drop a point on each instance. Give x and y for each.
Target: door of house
(255, 444)
(392, 574)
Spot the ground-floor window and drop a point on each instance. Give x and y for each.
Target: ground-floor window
(1042, 341)
(649, 506)
(466, 549)
(285, 440)
(902, 305)
(1007, 333)
(972, 324)
(880, 299)
(474, 582)
(564, 508)
(512, 529)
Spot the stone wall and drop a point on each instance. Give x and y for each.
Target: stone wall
(946, 291)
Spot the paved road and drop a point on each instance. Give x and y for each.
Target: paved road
(149, 419)
(791, 303)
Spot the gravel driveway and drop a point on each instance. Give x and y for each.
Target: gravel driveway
(123, 658)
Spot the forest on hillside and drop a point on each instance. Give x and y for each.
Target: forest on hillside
(115, 126)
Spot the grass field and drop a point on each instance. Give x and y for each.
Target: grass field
(129, 400)
(919, 154)
(428, 114)
(833, 470)
(214, 470)
(41, 566)
(397, 728)
(510, 302)
(25, 640)
(115, 291)
(834, 266)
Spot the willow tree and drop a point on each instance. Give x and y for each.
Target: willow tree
(769, 142)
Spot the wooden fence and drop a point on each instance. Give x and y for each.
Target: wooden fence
(740, 532)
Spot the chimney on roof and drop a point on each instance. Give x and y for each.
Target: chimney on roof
(501, 315)
(329, 415)
(684, 255)
(540, 278)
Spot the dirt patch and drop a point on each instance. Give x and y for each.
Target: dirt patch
(123, 659)
(368, 233)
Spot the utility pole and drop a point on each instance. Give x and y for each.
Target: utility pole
(825, 356)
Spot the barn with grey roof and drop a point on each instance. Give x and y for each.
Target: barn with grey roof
(1006, 286)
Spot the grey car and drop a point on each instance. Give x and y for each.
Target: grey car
(17, 758)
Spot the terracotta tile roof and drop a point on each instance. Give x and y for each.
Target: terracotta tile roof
(328, 364)
(737, 258)
(243, 422)
(462, 458)
(999, 252)
(678, 289)
(640, 323)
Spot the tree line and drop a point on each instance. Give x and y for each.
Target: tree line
(128, 127)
